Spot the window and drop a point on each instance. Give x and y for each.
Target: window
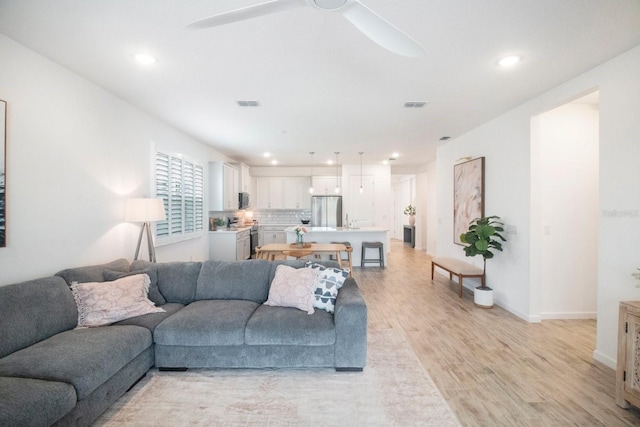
(180, 183)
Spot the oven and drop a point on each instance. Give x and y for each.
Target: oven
(254, 239)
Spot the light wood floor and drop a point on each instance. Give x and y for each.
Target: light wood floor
(493, 368)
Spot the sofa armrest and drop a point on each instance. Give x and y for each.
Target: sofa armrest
(350, 318)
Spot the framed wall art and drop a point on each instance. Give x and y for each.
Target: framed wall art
(3, 165)
(468, 195)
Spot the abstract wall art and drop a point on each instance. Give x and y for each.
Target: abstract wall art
(468, 195)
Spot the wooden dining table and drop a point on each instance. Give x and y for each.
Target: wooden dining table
(272, 250)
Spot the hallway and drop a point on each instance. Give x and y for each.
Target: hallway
(493, 368)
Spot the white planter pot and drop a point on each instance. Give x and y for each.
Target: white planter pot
(483, 297)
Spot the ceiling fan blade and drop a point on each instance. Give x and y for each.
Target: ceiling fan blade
(380, 30)
(249, 12)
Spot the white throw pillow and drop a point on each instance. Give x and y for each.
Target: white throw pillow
(329, 282)
(103, 303)
(293, 287)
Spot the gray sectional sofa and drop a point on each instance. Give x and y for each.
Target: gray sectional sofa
(53, 373)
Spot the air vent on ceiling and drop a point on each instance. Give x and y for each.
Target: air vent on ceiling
(444, 138)
(248, 103)
(414, 104)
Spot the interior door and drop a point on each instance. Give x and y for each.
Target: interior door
(361, 208)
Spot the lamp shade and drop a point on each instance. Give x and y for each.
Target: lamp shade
(144, 210)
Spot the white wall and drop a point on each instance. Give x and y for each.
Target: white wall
(505, 142)
(422, 209)
(567, 206)
(381, 174)
(403, 187)
(74, 153)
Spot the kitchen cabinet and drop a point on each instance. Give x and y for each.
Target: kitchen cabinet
(230, 245)
(283, 193)
(628, 366)
(324, 185)
(272, 234)
(245, 179)
(223, 186)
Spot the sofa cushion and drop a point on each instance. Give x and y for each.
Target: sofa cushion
(206, 323)
(293, 287)
(151, 320)
(34, 310)
(102, 303)
(84, 358)
(151, 271)
(29, 402)
(289, 326)
(92, 273)
(329, 282)
(245, 280)
(177, 281)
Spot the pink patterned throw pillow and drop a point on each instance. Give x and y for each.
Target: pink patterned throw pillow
(293, 287)
(103, 303)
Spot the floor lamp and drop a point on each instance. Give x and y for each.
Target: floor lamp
(145, 211)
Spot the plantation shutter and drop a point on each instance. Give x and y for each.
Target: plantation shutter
(180, 184)
(162, 191)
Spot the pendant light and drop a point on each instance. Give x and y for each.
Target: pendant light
(337, 179)
(361, 189)
(311, 182)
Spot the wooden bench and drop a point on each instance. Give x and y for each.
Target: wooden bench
(458, 268)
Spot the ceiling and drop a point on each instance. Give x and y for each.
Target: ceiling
(322, 85)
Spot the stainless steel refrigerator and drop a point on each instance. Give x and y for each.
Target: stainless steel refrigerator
(326, 211)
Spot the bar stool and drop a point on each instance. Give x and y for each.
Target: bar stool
(372, 245)
(349, 251)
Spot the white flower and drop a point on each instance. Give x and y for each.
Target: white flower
(300, 230)
(410, 210)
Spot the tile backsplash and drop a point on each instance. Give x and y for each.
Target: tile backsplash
(266, 216)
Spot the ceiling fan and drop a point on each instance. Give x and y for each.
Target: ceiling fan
(372, 25)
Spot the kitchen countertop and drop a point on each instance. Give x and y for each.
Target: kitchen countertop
(337, 229)
(230, 230)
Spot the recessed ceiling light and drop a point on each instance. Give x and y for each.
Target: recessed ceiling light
(267, 154)
(145, 59)
(385, 162)
(509, 61)
(274, 162)
(394, 155)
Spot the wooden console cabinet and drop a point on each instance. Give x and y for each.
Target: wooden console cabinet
(628, 367)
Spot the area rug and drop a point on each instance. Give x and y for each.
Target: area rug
(393, 390)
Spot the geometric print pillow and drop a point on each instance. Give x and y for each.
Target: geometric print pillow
(330, 280)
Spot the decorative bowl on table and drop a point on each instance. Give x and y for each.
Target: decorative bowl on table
(305, 221)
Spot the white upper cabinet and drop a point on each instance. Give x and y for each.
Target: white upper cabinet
(245, 179)
(283, 193)
(223, 186)
(323, 185)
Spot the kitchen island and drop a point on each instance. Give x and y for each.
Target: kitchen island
(342, 234)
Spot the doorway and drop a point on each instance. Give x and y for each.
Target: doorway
(565, 210)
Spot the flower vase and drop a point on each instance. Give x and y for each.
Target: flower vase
(412, 220)
(299, 241)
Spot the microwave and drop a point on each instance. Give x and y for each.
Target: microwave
(243, 200)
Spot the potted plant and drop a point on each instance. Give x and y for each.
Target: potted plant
(411, 211)
(300, 232)
(481, 238)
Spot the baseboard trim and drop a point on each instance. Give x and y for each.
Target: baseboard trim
(578, 315)
(604, 359)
